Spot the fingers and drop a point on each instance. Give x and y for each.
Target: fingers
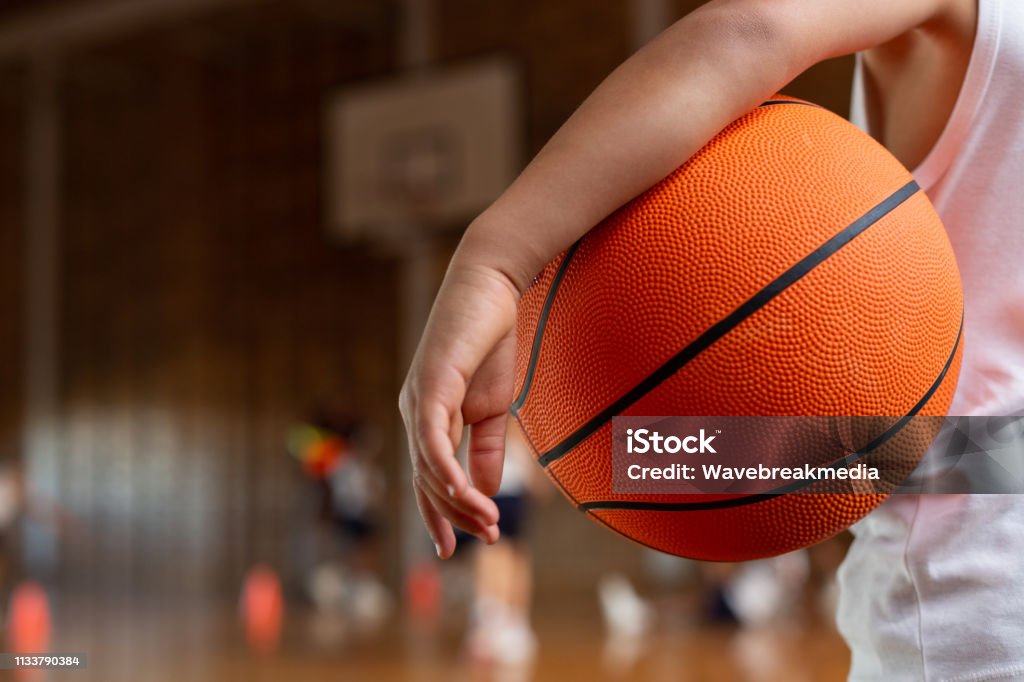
(434, 460)
(439, 528)
(488, 533)
(437, 450)
(486, 453)
(441, 502)
(431, 449)
(474, 512)
(439, 514)
(486, 406)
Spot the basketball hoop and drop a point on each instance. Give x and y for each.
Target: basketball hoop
(424, 153)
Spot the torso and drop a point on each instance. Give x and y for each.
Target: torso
(912, 82)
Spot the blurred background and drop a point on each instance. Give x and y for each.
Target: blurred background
(221, 226)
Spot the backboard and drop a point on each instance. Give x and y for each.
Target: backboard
(427, 151)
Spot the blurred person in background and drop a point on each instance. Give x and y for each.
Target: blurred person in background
(18, 505)
(499, 629)
(335, 452)
(798, 586)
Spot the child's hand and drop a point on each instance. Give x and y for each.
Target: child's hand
(462, 373)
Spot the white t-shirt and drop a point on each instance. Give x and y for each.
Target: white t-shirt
(933, 586)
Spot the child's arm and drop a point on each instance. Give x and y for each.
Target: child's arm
(650, 115)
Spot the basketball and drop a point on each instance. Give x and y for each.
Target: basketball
(791, 267)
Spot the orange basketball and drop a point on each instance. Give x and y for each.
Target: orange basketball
(791, 267)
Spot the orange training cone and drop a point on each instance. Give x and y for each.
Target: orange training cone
(262, 608)
(28, 623)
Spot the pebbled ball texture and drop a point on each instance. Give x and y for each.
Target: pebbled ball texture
(873, 329)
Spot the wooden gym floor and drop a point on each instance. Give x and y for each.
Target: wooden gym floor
(175, 642)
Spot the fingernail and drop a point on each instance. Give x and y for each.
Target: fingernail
(437, 548)
(451, 491)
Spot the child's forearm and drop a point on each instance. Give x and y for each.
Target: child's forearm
(649, 116)
(659, 108)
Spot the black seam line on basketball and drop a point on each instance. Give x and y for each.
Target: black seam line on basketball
(536, 453)
(541, 323)
(773, 102)
(845, 461)
(731, 321)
